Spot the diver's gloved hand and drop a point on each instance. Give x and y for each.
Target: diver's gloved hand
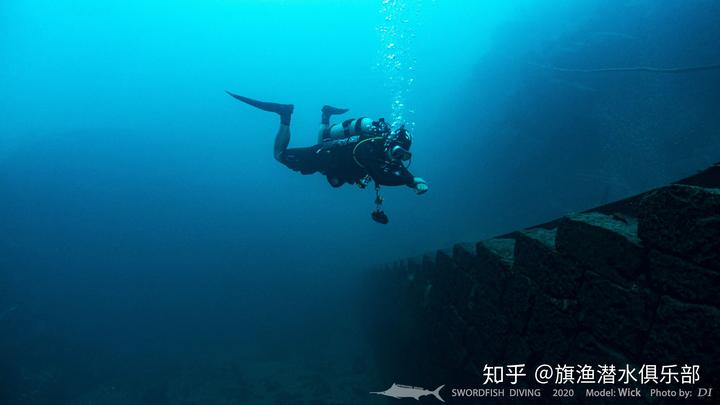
(421, 186)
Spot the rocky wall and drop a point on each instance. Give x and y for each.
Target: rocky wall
(634, 282)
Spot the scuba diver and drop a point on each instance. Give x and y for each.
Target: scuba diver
(357, 151)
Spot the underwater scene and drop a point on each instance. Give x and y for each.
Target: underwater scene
(214, 202)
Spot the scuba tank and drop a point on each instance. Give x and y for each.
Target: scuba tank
(363, 127)
(348, 128)
(355, 132)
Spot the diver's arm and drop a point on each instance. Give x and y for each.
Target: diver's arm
(417, 183)
(420, 185)
(399, 176)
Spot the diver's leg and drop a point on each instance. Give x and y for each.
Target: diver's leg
(327, 112)
(321, 132)
(282, 140)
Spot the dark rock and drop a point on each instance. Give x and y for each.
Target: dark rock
(472, 370)
(462, 280)
(456, 324)
(616, 315)
(683, 220)
(487, 336)
(517, 350)
(606, 244)
(464, 293)
(464, 256)
(435, 305)
(686, 334)
(485, 296)
(435, 294)
(428, 267)
(682, 279)
(550, 328)
(487, 271)
(587, 350)
(428, 261)
(417, 282)
(496, 252)
(587, 292)
(535, 257)
(444, 272)
(517, 300)
(542, 235)
(449, 352)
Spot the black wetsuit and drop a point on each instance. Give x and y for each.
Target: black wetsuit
(349, 160)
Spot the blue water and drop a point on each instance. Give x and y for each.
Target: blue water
(152, 251)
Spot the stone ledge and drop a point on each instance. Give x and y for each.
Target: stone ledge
(497, 251)
(683, 220)
(536, 258)
(605, 244)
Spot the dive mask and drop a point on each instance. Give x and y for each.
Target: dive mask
(397, 152)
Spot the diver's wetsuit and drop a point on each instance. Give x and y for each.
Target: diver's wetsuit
(349, 160)
(346, 153)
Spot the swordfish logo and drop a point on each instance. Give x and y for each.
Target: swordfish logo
(406, 391)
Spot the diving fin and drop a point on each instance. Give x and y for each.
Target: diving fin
(284, 110)
(330, 110)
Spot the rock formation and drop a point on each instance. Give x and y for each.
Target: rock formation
(632, 282)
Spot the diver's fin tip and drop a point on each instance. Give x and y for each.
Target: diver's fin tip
(330, 110)
(282, 109)
(233, 95)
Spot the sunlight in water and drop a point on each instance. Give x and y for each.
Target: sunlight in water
(396, 58)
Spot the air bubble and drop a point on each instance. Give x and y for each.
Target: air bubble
(396, 59)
